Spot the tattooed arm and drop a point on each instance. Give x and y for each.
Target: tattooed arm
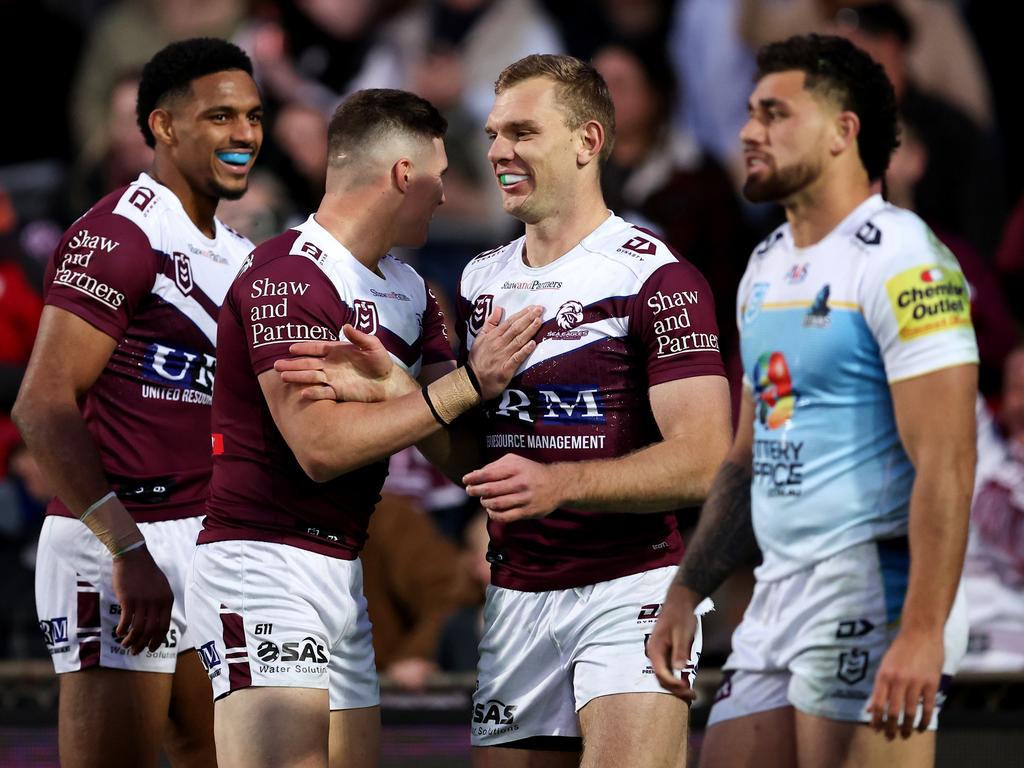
(724, 540)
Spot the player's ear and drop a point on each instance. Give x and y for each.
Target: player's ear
(401, 173)
(161, 125)
(847, 127)
(591, 141)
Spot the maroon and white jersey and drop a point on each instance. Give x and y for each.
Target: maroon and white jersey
(137, 268)
(622, 313)
(303, 286)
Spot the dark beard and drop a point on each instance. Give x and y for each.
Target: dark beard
(230, 194)
(779, 185)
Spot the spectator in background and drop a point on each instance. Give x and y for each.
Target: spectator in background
(414, 583)
(115, 156)
(994, 569)
(961, 192)
(460, 638)
(1010, 257)
(993, 320)
(126, 34)
(943, 59)
(299, 154)
(20, 307)
(264, 212)
(658, 176)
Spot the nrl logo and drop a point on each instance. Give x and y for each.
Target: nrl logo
(569, 315)
(481, 311)
(366, 316)
(183, 273)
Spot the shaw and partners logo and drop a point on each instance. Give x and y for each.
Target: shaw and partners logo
(773, 390)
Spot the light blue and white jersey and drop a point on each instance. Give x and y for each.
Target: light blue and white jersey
(824, 331)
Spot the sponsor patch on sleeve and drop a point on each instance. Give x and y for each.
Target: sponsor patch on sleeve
(927, 299)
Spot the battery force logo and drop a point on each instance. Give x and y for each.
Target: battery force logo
(482, 308)
(55, 631)
(927, 300)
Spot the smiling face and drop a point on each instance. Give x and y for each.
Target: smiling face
(787, 138)
(217, 130)
(533, 153)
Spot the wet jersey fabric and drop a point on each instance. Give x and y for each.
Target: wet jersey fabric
(622, 313)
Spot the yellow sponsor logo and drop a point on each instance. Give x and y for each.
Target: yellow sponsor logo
(927, 299)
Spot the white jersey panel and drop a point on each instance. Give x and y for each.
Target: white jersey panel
(824, 330)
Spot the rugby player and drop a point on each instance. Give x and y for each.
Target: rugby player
(277, 590)
(853, 463)
(115, 407)
(619, 417)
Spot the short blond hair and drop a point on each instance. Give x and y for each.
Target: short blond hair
(581, 91)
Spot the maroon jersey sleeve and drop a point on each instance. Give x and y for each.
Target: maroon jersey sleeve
(436, 346)
(674, 318)
(284, 301)
(103, 268)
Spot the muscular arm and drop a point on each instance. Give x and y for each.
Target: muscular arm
(693, 416)
(942, 451)
(455, 450)
(330, 438)
(68, 357)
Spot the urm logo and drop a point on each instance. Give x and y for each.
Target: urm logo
(208, 655)
(562, 403)
(55, 631)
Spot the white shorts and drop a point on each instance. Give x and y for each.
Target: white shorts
(814, 640)
(273, 615)
(545, 655)
(75, 601)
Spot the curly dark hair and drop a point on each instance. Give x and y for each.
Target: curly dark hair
(836, 68)
(171, 71)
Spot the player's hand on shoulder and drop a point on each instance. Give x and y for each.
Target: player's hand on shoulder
(669, 645)
(501, 347)
(357, 370)
(515, 488)
(145, 598)
(909, 675)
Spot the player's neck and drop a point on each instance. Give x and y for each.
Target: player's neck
(820, 207)
(555, 236)
(198, 207)
(366, 235)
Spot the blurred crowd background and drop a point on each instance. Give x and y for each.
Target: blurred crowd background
(679, 72)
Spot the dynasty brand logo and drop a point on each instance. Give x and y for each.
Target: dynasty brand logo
(648, 613)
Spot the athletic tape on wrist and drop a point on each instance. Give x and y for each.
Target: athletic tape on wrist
(451, 396)
(433, 410)
(112, 525)
(474, 380)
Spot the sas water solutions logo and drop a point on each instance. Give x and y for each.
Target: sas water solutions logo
(493, 717)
